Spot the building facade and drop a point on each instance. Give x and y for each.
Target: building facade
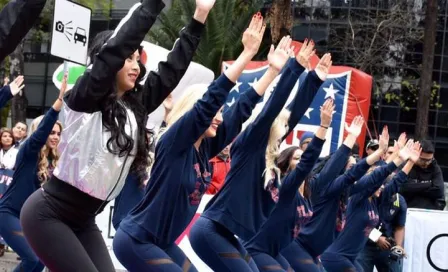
(342, 27)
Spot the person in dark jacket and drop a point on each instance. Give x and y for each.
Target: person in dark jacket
(35, 162)
(105, 139)
(425, 187)
(16, 19)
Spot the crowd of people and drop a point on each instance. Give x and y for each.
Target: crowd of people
(272, 210)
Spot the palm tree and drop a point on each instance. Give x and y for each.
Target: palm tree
(221, 40)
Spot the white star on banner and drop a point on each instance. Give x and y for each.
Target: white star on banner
(330, 92)
(307, 113)
(236, 88)
(230, 104)
(253, 82)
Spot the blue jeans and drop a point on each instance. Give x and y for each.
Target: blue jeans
(219, 248)
(137, 257)
(12, 233)
(373, 256)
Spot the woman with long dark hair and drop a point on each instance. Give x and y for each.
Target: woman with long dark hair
(8, 153)
(105, 139)
(292, 210)
(134, 187)
(196, 131)
(35, 162)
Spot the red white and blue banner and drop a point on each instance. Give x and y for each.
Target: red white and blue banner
(349, 87)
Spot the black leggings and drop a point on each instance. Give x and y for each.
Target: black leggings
(63, 236)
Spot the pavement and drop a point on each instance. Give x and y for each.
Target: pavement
(9, 261)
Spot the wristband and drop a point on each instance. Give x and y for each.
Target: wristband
(323, 127)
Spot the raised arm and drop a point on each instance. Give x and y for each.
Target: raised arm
(9, 91)
(292, 182)
(260, 127)
(339, 159)
(97, 82)
(369, 184)
(194, 123)
(162, 82)
(38, 138)
(242, 109)
(307, 90)
(16, 19)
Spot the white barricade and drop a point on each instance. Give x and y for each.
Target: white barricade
(426, 241)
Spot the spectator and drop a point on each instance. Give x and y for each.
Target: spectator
(220, 166)
(425, 187)
(372, 146)
(8, 154)
(306, 138)
(19, 131)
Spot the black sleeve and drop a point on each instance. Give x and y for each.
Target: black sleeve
(96, 83)
(16, 19)
(161, 83)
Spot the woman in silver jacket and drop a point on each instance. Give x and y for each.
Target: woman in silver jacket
(105, 138)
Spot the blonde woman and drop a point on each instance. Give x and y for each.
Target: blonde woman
(35, 162)
(250, 190)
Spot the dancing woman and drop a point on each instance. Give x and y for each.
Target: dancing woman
(179, 60)
(105, 139)
(196, 131)
(245, 201)
(35, 162)
(362, 210)
(326, 190)
(292, 210)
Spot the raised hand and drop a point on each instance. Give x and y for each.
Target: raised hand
(279, 56)
(326, 113)
(406, 151)
(63, 89)
(415, 153)
(355, 127)
(17, 85)
(323, 67)
(203, 8)
(402, 140)
(205, 5)
(253, 35)
(384, 139)
(305, 54)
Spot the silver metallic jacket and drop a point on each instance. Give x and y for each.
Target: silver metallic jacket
(85, 162)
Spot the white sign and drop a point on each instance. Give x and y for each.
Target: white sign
(426, 241)
(70, 34)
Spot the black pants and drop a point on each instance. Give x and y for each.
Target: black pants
(59, 224)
